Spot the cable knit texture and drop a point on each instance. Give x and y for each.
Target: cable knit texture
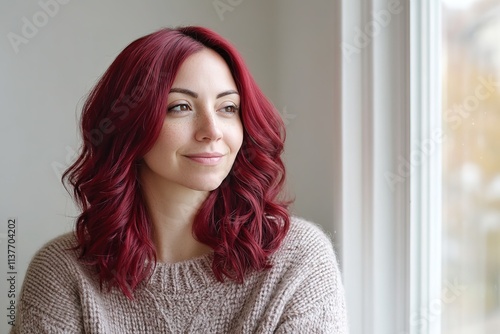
(301, 293)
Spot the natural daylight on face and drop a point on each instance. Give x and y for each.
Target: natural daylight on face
(202, 131)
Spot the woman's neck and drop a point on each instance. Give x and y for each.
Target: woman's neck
(172, 209)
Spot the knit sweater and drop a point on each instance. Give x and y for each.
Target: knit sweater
(301, 293)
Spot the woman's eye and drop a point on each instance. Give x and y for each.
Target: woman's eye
(229, 109)
(179, 108)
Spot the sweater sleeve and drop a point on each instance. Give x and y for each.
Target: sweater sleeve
(318, 303)
(49, 299)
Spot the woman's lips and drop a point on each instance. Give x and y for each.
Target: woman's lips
(206, 158)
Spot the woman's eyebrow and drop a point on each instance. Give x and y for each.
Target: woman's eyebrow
(195, 95)
(228, 92)
(184, 91)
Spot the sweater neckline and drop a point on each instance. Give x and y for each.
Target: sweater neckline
(188, 276)
(199, 258)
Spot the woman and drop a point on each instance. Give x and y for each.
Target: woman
(183, 228)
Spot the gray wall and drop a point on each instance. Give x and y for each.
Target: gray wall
(287, 45)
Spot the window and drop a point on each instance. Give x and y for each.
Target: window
(420, 176)
(471, 167)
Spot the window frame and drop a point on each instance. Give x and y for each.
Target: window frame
(389, 217)
(426, 185)
(375, 117)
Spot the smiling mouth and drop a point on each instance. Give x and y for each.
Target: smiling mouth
(206, 158)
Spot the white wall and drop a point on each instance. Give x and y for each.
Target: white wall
(307, 38)
(286, 44)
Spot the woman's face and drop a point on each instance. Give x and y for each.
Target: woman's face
(202, 131)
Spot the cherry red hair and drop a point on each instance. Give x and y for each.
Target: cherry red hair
(243, 221)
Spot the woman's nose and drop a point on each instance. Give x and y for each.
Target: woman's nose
(208, 127)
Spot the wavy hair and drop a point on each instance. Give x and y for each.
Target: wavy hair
(244, 220)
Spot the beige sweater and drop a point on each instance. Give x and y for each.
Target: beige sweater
(302, 293)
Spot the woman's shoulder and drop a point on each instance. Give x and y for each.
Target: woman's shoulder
(52, 265)
(306, 234)
(306, 242)
(59, 249)
(51, 288)
(65, 240)
(307, 266)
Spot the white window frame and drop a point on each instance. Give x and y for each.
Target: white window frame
(426, 183)
(390, 102)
